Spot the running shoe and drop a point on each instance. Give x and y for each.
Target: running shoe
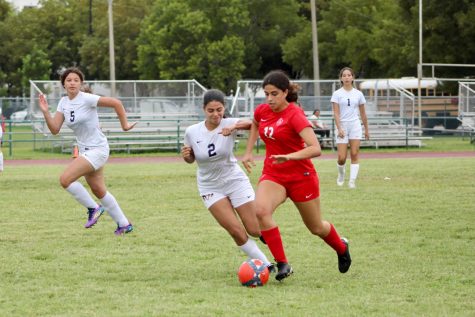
(123, 230)
(93, 216)
(283, 270)
(344, 260)
(351, 184)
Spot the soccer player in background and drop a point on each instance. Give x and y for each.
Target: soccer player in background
(288, 170)
(347, 102)
(78, 110)
(223, 186)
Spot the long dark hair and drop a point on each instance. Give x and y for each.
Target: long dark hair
(70, 70)
(280, 80)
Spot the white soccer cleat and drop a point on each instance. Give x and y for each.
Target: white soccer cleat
(351, 184)
(340, 180)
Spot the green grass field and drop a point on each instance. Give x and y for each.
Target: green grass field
(411, 237)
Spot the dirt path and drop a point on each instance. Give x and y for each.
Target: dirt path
(324, 156)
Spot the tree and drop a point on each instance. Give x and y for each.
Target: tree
(35, 65)
(185, 39)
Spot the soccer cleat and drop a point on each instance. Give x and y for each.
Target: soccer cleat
(271, 268)
(344, 260)
(123, 230)
(262, 239)
(351, 184)
(340, 180)
(283, 270)
(93, 216)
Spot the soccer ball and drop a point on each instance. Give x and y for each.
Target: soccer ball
(253, 272)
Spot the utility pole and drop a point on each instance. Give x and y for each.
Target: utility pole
(90, 17)
(111, 50)
(419, 68)
(316, 66)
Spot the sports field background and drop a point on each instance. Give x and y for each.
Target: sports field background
(410, 224)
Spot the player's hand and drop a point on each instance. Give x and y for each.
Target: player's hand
(130, 126)
(248, 162)
(341, 133)
(226, 131)
(280, 158)
(187, 152)
(366, 135)
(43, 104)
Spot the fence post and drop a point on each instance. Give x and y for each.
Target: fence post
(407, 132)
(10, 139)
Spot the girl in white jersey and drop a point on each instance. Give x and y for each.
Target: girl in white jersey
(347, 103)
(78, 110)
(223, 186)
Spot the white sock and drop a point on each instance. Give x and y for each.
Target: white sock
(253, 251)
(354, 168)
(112, 207)
(81, 195)
(341, 170)
(1, 161)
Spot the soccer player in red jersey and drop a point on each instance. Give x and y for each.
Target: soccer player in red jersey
(288, 170)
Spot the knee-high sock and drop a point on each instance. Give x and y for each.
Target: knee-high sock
(113, 208)
(1, 161)
(77, 190)
(334, 240)
(253, 251)
(274, 242)
(341, 170)
(354, 168)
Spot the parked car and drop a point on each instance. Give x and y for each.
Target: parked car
(19, 116)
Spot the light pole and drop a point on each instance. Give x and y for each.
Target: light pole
(419, 67)
(316, 66)
(111, 50)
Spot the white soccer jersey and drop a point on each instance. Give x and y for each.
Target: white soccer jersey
(213, 153)
(80, 115)
(349, 102)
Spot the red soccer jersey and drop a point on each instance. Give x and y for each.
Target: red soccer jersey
(280, 132)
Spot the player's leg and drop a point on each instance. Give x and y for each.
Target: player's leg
(68, 180)
(108, 201)
(310, 212)
(354, 137)
(1, 160)
(342, 152)
(269, 196)
(223, 212)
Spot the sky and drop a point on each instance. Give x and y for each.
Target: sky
(19, 4)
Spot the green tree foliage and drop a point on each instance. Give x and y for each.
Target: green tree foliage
(94, 50)
(193, 39)
(219, 42)
(34, 65)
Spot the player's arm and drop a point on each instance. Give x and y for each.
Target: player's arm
(54, 123)
(119, 109)
(247, 159)
(364, 118)
(336, 114)
(242, 124)
(312, 149)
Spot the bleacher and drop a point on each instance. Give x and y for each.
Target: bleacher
(150, 134)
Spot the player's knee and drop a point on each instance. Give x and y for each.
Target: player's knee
(64, 181)
(318, 230)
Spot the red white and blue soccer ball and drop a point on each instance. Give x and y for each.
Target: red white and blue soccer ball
(253, 272)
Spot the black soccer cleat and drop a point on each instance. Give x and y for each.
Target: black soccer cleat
(271, 268)
(344, 260)
(283, 270)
